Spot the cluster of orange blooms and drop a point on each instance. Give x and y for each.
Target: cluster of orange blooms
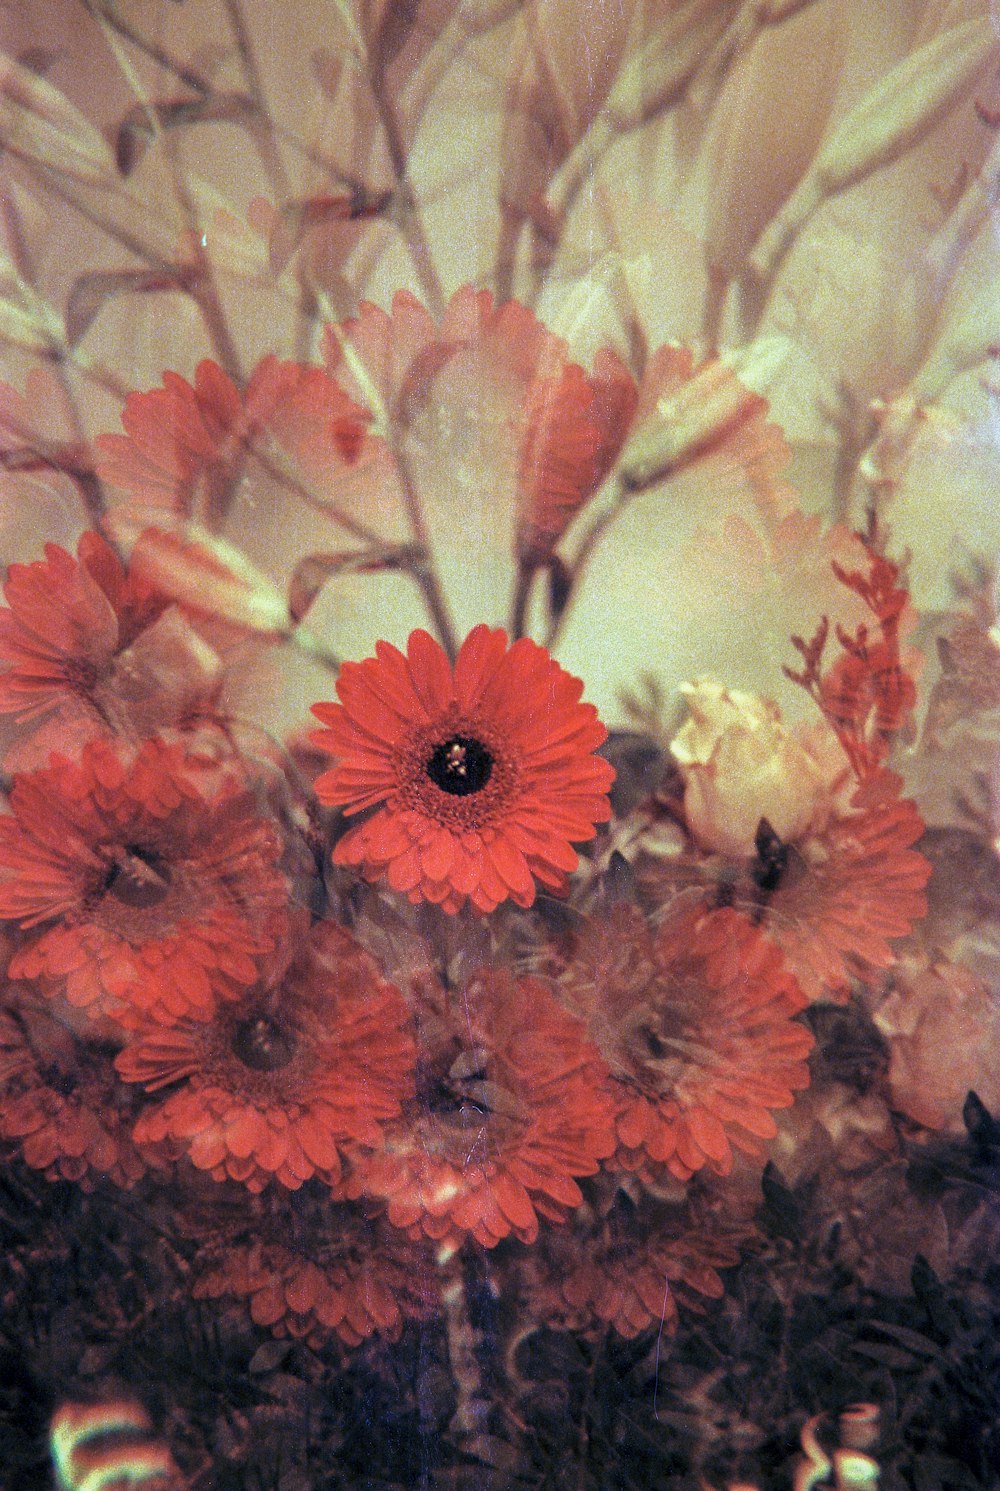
(421, 1021)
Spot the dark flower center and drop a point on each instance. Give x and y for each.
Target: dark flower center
(81, 674)
(460, 766)
(137, 877)
(262, 1044)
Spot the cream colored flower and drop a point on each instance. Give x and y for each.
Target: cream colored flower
(942, 1025)
(740, 764)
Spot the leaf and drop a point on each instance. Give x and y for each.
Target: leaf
(617, 884)
(639, 765)
(781, 1210)
(912, 1339)
(395, 24)
(982, 1127)
(293, 219)
(312, 572)
(90, 292)
(929, 1291)
(269, 1356)
(888, 1356)
(140, 125)
(39, 124)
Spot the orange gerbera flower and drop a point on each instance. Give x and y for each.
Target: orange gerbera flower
(834, 902)
(510, 1109)
(185, 445)
(60, 1102)
(155, 896)
(629, 1269)
(482, 776)
(696, 1025)
(274, 1087)
(93, 650)
(350, 1277)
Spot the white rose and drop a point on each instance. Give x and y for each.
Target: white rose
(740, 764)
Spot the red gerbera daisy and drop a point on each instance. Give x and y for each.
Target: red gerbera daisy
(836, 901)
(696, 1025)
(185, 444)
(631, 1268)
(350, 1277)
(155, 896)
(275, 1086)
(482, 776)
(94, 650)
(510, 1108)
(59, 1100)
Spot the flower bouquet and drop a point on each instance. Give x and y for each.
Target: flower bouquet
(498, 865)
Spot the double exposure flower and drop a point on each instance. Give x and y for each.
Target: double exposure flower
(144, 893)
(740, 764)
(93, 650)
(60, 1103)
(629, 1268)
(353, 1280)
(835, 901)
(696, 1023)
(510, 1110)
(275, 1086)
(482, 776)
(186, 445)
(942, 1024)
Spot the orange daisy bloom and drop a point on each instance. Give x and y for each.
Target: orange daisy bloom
(185, 445)
(510, 1109)
(350, 1278)
(630, 1269)
(834, 903)
(696, 1025)
(482, 776)
(274, 1087)
(60, 1102)
(93, 650)
(155, 897)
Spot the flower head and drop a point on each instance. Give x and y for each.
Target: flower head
(510, 1110)
(145, 894)
(353, 1279)
(482, 776)
(185, 444)
(60, 1102)
(696, 1025)
(942, 1024)
(740, 764)
(836, 901)
(94, 650)
(630, 1268)
(275, 1086)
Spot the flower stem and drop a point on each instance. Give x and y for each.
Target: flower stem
(470, 1412)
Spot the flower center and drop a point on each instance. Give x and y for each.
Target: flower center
(262, 1044)
(81, 674)
(460, 765)
(137, 877)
